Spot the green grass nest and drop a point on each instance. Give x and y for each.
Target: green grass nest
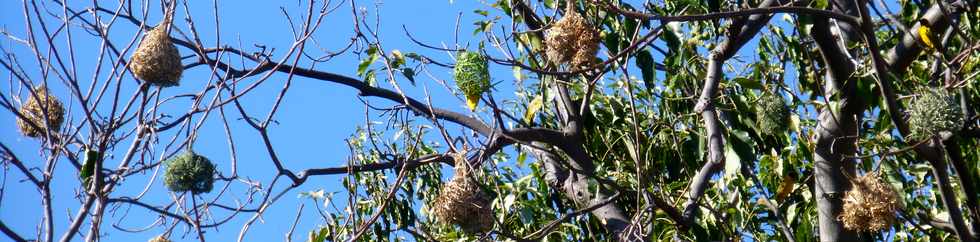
(772, 114)
(189, 172)
(934, 111)
(472, 75)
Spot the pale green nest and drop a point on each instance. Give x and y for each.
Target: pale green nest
(772, 114)
(462, 202)
(159, 239)
(572, 40)
(870, 205)
(40, 108)
(156, 60)
(189, 172)
(934, 112)
(472, 76)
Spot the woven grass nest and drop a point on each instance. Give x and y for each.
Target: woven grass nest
(159, 239)
(934, 112)
(472, 76)
(772, 114)
(572, 40)
(156, 60)
(34, 110)
(189, 172)
(870, 205)
(463, 203)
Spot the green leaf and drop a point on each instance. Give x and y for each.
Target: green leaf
(750, 83)
(372, 56)
(88, 167)
(532, 108)
(645, 62)
(409, 73)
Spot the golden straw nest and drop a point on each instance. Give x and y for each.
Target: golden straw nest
(34, 110)
(870, 205)
(572, 40)
(159, 239)
(156, 60)
(462, 202)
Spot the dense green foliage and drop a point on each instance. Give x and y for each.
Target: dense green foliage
(647, 140)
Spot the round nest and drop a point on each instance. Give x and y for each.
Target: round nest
(463, 203)
(572, 40)
(156, 60)
(36, 109)
(472, 76)
(772, 114)
(870, 205)
(189, 172)
(159, 239)
(934, 112)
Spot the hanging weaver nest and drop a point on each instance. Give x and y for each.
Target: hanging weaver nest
(772, 114)
(472, 76)
(159, 239)
(572, 40)
(463, 203)
(189, 172)
(36, 108)
(156, 60)
(870, 205)
(934, 112)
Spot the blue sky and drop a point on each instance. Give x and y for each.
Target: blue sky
(313, 121)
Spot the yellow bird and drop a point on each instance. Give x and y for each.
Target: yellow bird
(926, 36)
(786, 186)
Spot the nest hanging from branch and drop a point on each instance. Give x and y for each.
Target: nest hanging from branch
(870, 205)
(934, 112)
(472, 76)
(157, 60)
(572, 40)
(772, 114)
(462, 202)
(40, 108)
(189, 172)
(159, 239)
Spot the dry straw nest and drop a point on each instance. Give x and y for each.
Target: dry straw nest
(39, 106)
(159, 239)
(572, 40)
(189, 172)
(870, 205)
(772, 113)
(156, 60)
(934, 112)
(462, 202)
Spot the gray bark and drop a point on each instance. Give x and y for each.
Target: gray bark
(575, 186)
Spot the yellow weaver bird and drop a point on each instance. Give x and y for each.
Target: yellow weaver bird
(927, 37)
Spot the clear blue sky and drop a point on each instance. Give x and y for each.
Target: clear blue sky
(313, 121)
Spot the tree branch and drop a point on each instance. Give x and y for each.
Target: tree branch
(10, 233)
(705, 106)
(576, 187)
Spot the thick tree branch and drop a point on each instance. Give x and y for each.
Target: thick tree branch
(900, 57)
(705, 106)
(10, 233)
(836, 126)
(576, 187)
(931, 152)
(760, 11)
